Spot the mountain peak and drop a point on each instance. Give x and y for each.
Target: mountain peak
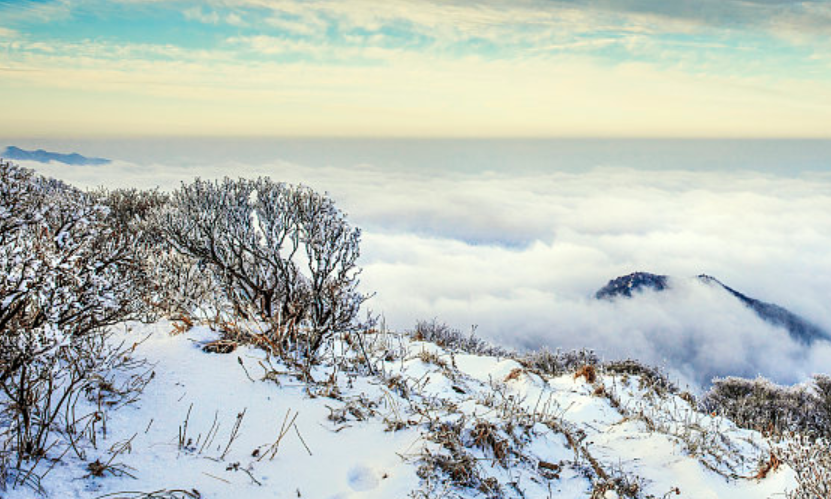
(799, 328)
(634, 282)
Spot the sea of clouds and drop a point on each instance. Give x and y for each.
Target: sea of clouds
(519, 253)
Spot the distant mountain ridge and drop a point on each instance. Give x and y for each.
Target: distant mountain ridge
(799, 328)
(43, 156)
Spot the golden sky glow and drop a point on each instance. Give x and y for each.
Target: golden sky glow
(414, 69)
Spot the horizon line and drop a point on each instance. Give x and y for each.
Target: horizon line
(719, 138)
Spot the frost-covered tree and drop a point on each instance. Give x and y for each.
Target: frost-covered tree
(284, 254)
(65, 275)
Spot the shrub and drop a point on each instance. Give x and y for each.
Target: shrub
(64, 277)
(822, 385)
(651, 376)
(283, 254)
(811, 462)
(762, 405)
(63, 267)
(445, 336)
(129, 214)
(171, 284)
(558, 363)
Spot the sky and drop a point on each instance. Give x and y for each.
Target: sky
(426, 68)
(514, 236)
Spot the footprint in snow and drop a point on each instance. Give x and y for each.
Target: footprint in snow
(362, 478)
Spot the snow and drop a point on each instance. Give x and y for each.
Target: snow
(370, 437)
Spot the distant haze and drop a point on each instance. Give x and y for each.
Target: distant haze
(516, 236)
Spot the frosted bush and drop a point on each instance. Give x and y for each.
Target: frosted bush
(66, 274)
(283, 254)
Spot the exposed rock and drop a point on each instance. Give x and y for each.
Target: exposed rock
(626, 285)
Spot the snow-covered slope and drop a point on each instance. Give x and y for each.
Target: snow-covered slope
(416, 421)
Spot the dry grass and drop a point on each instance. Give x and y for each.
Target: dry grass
(220, 346)
(588, 372)
(769, 466)
(156, 494)
(486, 437)
(181, 324)
(514, 374)
(430, 357)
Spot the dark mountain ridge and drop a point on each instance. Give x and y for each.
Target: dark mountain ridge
(798, 327)
(636, 281)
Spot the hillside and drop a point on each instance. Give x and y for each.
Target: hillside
(427, 421)
(207, 343)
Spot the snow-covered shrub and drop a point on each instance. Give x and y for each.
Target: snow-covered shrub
(822, 384)
(131, 209)
(284, 254)
(62, 267)
(811, 461)
(762, 405)
(651, 376)
(558, 363)
(450, 338)
(64, 277)
(183, 287)
(447, 337)
(129, 214)
(171, 284)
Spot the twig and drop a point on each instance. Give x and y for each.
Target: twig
(239, 360)
(301, 439)
(183, 430)
(283, 430)
(210, 438)
(216, 477)
(234, 433)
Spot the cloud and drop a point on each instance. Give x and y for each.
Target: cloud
(414, 69)
(334, 90)
(6, 33)
(449, 19)
(200, 15)
(213, 17)
(35, 11)
(309, 25)
(521, 251)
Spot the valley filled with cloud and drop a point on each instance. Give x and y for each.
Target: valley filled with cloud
(520, 254)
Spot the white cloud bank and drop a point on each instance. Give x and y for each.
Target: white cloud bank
(521, 254)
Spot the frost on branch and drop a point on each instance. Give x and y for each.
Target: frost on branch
(65, 275)
(762, 405)
(283, 254)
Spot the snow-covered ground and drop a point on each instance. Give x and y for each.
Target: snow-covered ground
(425, 422)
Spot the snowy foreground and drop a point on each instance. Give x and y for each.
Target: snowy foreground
(425, 422)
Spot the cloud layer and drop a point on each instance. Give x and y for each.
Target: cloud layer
(521, 253)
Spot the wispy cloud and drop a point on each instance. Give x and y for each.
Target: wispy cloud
(213, 17)
(6, 33)
(482, 18)
(436, 68)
